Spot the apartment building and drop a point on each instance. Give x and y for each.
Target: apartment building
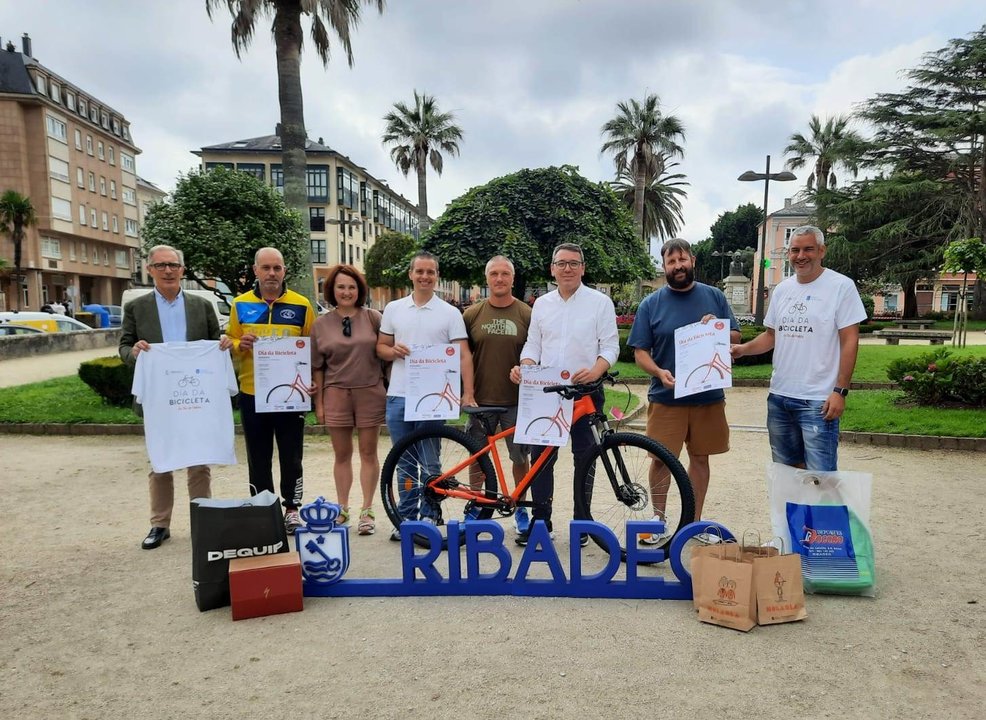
(348, 208)
(74, 157)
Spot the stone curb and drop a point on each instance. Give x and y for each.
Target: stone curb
(765, 383)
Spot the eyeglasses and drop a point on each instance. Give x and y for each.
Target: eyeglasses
(347, 327)
(571, 264)
(165, 266)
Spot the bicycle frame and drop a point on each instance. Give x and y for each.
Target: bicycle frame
(582, 407)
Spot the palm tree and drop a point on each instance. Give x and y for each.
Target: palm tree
(641, 140)
(418, 135)
(340, 15)
(830, 144)
(16, 214)
(662, 201)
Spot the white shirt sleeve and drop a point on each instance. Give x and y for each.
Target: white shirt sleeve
(532, 347)
(606, 332)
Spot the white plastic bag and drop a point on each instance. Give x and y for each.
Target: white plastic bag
(825, 518)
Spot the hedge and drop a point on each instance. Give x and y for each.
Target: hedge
(110, 378)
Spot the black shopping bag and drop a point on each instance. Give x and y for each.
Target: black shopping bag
(227, 529)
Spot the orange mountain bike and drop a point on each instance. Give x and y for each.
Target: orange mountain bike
(461, 478)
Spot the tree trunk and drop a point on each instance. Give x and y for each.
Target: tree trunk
(422, 170)
(17, 237)
(639, 181)
(909, 287)
(287, 43)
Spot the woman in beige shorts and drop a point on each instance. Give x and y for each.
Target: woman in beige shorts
(351, 394)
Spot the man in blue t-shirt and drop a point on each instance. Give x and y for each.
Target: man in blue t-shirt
(700, 419)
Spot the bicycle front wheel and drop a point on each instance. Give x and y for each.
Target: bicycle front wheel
(284, 393)
(432, 402)
(624, 480)
(430, 454)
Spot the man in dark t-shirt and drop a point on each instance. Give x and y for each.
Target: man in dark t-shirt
(700, 419)
(497, 328)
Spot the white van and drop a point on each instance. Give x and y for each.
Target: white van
(218, 304)
(43, 321)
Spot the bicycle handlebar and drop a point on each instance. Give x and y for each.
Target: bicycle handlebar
(580, 389)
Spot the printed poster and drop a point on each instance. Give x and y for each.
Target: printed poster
(701, 358)
(433, 382)
(543, 418)
(282, 374)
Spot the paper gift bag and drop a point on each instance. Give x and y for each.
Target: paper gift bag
(725, 591)
(779, 588)
(729, 550)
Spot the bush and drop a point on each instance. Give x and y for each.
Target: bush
(937, 377)
(110, 378)
(626, 352)
(867, 305)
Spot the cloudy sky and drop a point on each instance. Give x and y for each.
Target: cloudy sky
(530, 81)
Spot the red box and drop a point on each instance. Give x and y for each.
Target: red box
(265, 585)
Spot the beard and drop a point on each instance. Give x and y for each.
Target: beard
(680, 282)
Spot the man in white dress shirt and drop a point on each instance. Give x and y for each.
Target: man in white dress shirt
(573, 326)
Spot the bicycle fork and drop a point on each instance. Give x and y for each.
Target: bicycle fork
(625, 490)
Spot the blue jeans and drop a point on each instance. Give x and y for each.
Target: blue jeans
(417, 466)
(800, 436)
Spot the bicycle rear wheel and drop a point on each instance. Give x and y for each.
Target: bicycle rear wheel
(625, 487)
(423, 456)
(284, 393)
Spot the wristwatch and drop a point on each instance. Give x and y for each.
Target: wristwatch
(841, 390)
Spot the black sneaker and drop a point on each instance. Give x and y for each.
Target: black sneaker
(583, 540)
(523, 538)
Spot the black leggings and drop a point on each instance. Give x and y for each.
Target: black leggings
(260, 431)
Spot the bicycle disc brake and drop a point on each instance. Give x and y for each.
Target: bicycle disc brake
(633, 495)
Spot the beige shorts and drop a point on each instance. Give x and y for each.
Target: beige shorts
(363, 407)
(703, 427)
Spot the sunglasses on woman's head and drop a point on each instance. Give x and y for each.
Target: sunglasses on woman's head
(347, 327)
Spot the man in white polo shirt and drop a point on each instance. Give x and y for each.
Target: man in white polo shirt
(421, 318)
(573, 326)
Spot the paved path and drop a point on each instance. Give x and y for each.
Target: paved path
(51, 365)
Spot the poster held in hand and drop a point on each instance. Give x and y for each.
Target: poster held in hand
(543, 418)
(282, 374)
(701, 358)
(433, 382)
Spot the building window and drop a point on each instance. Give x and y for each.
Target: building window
(39, 83)
(56, 129)
(890, 302)
(58, 169)
(83, 253)
(70, 102)
(61, 209)
(127, 162)
(106, 258)
(78, 139)
(126, 133)
(80, 177)
(317, 181)
(318, 251)
(316, 219)
(106, 225)
(348, 189)
(100, 151)
(350, 253)
(83, 107)
(56, 93)
(102, 186)
(104, 119)
(122, 261)
(82, 217)
(129, 195)
(116, 225)
(342, 251)
(255, 169)
(208, 165)
(112, 155)
(89, 144)
(92, 217)
(116, 126)
(130, 227)
(92, 182)
(71, 251)
(51, 248)
(94, 114)
(113, 189)
(277, 178)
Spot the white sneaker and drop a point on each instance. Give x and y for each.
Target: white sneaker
(292, 521)
(708, 538)
(655, 538)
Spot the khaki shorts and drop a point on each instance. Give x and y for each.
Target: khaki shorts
(703, 427)
(363, 407)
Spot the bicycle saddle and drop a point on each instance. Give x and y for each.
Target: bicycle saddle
(484, 409)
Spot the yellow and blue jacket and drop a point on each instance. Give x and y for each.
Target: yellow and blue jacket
(291, 315)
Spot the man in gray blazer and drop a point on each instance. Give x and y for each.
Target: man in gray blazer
(168, 315)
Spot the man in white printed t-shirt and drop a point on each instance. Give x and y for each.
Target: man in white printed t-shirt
(421, 318)
(167, 315)
(571, 327)
(813, 328)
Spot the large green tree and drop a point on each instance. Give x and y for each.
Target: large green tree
(937, 127)
(733, 230)
(386, 263)
(662, 201)
(16, 215)
(219, 219)
(830, 144)
(642, 139)
(339, 15)
(418, 135)
(524, 215)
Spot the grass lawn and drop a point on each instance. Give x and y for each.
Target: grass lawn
(877, 411)
(69, 400)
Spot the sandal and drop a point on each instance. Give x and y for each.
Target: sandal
(366, 525)
(343, 518)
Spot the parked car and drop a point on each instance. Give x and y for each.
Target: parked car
(44, 321)
(220, 305)
(12, 329)
(116, 315)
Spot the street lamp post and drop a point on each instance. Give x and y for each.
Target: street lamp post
(767, 176)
